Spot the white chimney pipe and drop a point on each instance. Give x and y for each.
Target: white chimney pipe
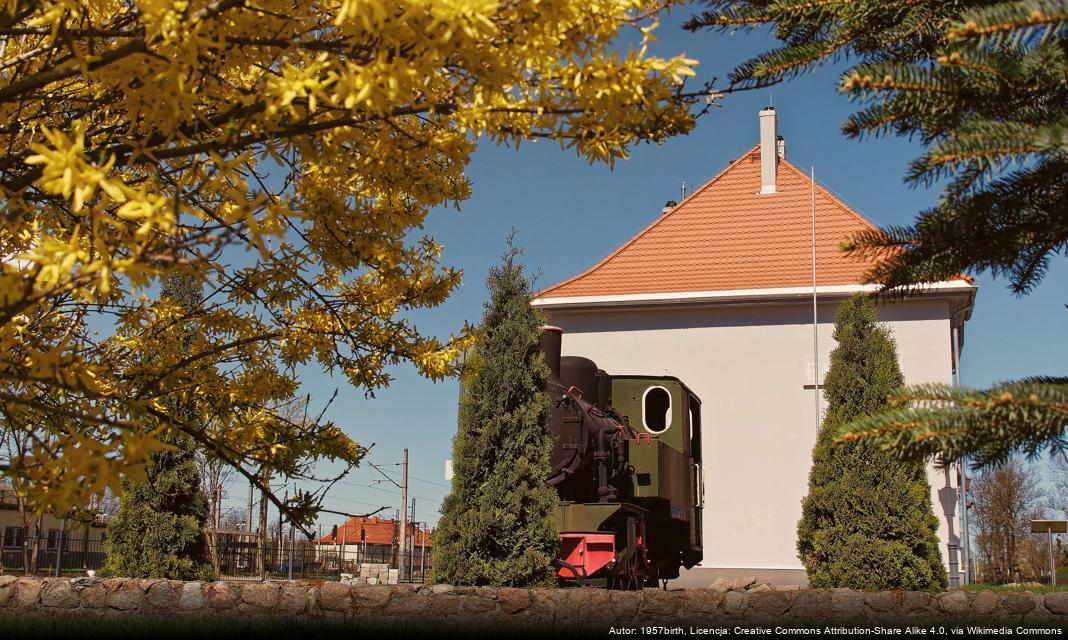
(769, 151)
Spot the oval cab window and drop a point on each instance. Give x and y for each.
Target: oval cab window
(656, 409)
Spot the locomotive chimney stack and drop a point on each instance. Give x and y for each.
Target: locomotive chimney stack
(551, 338)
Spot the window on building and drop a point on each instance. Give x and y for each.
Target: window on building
(656, 409)
(13, 537)
(53, 535)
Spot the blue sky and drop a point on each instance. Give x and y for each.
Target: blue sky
(570, 214)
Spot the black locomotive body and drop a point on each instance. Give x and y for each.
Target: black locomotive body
(626, 463)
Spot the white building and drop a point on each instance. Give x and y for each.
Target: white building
(718, 292)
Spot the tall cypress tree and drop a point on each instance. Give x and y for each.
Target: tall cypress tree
(158, 530)
(497, 524)
(867, 521)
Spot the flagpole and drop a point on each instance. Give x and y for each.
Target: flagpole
(815, 311)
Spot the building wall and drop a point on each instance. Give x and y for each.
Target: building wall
(750, 365)
(73, 530)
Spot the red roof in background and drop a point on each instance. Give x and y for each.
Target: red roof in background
(728, 236)
(378, 531)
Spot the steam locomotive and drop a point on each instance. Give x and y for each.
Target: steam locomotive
(626, 464)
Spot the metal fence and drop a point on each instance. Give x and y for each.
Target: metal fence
(238, 559)
(308, 560)
(45, 556)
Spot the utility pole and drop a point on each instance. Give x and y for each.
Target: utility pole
(281, 534)
(404, 506)
(248, 517)
(263, 526)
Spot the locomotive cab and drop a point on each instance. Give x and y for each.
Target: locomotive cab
(666, 460)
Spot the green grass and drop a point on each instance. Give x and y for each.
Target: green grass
(1061, 586)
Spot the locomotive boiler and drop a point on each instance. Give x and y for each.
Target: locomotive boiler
(626, 464)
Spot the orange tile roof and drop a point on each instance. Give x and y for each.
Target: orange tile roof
(378, 531)
(727, 236)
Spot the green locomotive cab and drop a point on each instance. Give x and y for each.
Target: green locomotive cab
(665, 461)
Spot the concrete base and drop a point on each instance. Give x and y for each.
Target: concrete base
(705, 576)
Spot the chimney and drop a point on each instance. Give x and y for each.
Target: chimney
(769, 150)
(551, 337)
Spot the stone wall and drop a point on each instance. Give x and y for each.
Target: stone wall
(118, 596)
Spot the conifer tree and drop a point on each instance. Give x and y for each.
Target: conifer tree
(981, 83)
(497, 524)
(867, 521)
(158, 530)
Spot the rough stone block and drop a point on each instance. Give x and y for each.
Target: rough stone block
(477, 604)
(882, 600)
(222, 596)
(954, 603)
(1019, 602)
(769, 603)
(334, 596)
(260, 595)
(722, 585)
(58, 593)
(735, 602)
(847, 604)
(514, 600)
(29, 592)
(293, 598)
(984, 602)
(410, 603)
(587, 602)
(163, 595)
(810, 604)
(192, 597)
(702, 600)
(374, 597)
(95, 597)
(444, 605)
(127, 597)
(914, 600)
(659, 603)
(1057, 602)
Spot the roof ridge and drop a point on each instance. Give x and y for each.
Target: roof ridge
(662, 217)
